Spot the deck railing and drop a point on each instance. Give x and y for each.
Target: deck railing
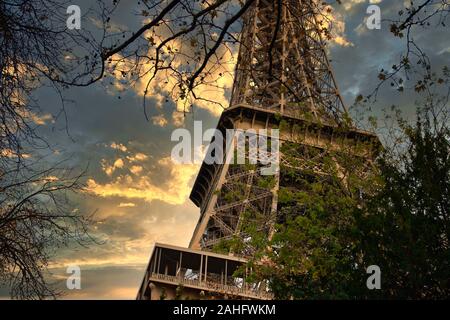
(243, 291)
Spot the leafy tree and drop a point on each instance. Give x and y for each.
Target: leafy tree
(405, 229)
(313, 252)
(396, 217)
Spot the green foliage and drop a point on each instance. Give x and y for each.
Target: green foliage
(334, 227)
(406, 230)
(233, 195)
(313, 250)
(226, 246)
(266, 182)
(284, 126)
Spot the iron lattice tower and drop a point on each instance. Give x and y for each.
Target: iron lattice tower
(283, 81)
(282, 76)
(282, 64)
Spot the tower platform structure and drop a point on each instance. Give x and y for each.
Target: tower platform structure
(283, 81)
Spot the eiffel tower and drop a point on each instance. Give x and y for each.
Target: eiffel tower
(284, 81)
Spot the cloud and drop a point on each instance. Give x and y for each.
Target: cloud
(118, 282)
(8, 153)
(351, 4)
(129, 233)
(177, 118)
(118, 163)
(175, 191)
(41, 119)
(212, 94)
(159, 121)
(50, 179)
(127, 205)
(342, 41)
(109, 169)
(137, 157)
(334, 21)
(110, 26)
(118, 146)
(136, 169)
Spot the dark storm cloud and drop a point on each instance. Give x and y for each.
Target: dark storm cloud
(358, 66)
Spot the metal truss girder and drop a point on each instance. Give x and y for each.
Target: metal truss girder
(296, 56)
(241, 202)
(288, 75)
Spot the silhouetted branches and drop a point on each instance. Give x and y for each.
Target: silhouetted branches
(36, 219)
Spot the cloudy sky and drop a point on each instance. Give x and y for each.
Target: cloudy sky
(140, 197)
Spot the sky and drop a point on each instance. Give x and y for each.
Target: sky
(138, 195)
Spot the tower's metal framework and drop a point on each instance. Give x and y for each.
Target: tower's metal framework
(283, 81)
(282, 64)
(283, 76)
